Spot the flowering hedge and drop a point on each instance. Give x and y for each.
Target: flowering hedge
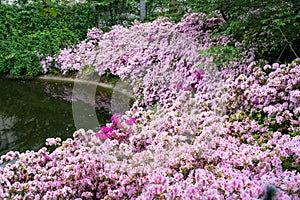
(195, 131)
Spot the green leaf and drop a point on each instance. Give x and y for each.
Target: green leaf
(10, 56)
(50, 3)
(54, 13)
(101, 4)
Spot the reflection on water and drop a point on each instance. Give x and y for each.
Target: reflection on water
(6, 136)
(31, 111)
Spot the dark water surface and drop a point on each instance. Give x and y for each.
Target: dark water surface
(32, 110)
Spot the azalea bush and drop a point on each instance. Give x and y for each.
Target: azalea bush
(198, 129)
(170, 50)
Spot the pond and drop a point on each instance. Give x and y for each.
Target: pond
(33, 110)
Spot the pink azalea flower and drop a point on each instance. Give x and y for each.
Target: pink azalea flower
(101, 135)
(130, 121)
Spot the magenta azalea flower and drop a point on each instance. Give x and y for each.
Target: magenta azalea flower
(130, 121)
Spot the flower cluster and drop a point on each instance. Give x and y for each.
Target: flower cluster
(270, 96)
(72, 59)
(94, 34)
(163, 55)
(209, 134)
(116, 130)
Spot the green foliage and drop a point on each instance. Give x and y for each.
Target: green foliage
(173, 9)
(29, 31)
(287, 164)
(124, 12)
(112, 12)
(266, 26)
(270, 30)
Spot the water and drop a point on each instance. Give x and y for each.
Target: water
(32, 110)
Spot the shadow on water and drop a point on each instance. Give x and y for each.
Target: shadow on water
(31, 111)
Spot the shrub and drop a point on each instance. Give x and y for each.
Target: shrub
(258, 25)
(25, 34)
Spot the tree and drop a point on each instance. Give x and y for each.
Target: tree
(265, 25)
